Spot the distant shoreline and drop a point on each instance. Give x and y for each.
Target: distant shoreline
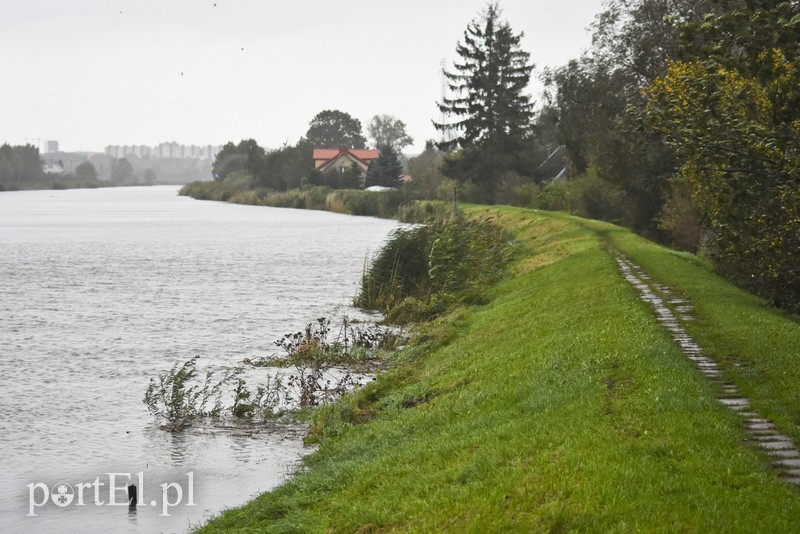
(100, 185)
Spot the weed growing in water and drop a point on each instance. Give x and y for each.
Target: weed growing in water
(178, 398)
(320, 364)
(266, 403)
(320, 374)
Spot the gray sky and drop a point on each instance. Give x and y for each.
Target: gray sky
(90, 73)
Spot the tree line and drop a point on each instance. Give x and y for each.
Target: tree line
(19, 167)
(681, 122)
(292, 166)
(688, 111)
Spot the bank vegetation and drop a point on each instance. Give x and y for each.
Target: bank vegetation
(557, 402)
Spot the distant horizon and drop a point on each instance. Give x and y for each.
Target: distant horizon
(103, 151)
(43, 151)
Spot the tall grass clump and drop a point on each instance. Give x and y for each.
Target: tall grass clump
(178, 397)
(295, 198)
(238, 189)
(384, 204)
(233, 185)
(425, 270)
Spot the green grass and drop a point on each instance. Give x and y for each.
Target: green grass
(562, 405)
(757, 345)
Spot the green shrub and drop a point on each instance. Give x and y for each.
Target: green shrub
(680, 217)
(587, 196)
(516, 190)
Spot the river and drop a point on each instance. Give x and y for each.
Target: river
(100, 290)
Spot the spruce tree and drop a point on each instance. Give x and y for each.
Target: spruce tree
(489, 103)
(386, 169)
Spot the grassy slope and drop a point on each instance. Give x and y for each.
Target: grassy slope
(562, 405)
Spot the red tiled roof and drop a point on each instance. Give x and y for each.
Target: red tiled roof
(360, 153)
(365, 155)
(325, 153)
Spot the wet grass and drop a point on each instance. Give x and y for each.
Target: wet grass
(561, 405)
(757, 346)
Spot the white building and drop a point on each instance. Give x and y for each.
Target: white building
(163, 150)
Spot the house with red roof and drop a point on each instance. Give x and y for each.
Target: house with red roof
(330, 159)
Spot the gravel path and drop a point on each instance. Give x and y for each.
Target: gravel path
(674, 313)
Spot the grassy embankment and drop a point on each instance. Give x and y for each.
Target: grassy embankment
(560, 405)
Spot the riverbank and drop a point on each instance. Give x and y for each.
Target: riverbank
(68, 183)
(561, 405)
(385, 204)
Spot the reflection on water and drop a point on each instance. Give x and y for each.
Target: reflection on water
(103, 289)
(177, 448)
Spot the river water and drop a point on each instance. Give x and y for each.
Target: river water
(100, 290)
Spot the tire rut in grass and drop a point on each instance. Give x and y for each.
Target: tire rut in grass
(673, 312)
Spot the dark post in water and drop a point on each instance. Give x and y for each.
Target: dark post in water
(132, 497)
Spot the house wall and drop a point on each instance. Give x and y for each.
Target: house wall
(345, 160)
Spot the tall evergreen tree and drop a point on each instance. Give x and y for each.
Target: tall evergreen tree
(489, 114)
(488, 84)
(385, 170)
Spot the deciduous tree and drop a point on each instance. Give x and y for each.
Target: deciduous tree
(598, 98)
(286, 167)
(121, 170)
(335, 129)
(731, 111)
(20, 166)
(246, 157)
(149, 176)
(86, 170)
(386, 130)
(427, 178)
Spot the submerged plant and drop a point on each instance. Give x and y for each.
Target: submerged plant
(314, 356)
(177, 397)
(267, 402)
(319, 375)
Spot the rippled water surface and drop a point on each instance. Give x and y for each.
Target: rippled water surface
(101, 290)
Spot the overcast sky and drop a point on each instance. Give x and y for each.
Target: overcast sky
(91, 73)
